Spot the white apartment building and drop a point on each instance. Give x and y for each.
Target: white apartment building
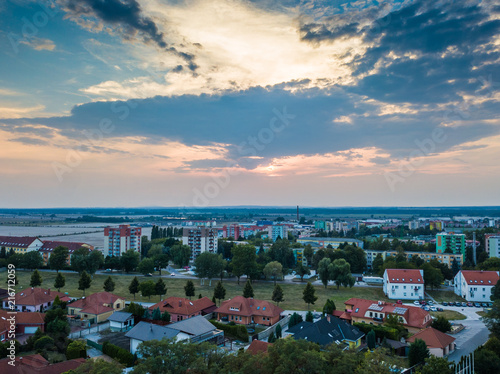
(118, 240)
(200, 240)
(404, 284)
(494, 246)
(475, 285)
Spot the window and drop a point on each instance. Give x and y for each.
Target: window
(371, 314)
(357, 310)
(404, 287)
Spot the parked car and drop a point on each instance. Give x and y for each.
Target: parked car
(458, 303)
(416, 302)
(439, 309)
(430, 302)
(399, 302)
(444, 303)
(148, 275)
(484, 305)
(469, 304)
(477, 305)
(426, 308)
(433, 309)
(464, 304)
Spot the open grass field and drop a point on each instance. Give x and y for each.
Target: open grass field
(449, 315)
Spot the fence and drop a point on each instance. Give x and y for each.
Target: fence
(94, 344)
(90, 330)
(265, 334)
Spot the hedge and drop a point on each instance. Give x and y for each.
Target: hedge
(380, 331)
(121, 355)
(237, 331)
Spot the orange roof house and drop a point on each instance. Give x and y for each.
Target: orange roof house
(36, 364)
(96, 307)
(439, 343)
(34, 299)
(180, 308)
(258, 346)
(413, 318)
(248, 311)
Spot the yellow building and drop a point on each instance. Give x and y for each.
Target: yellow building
(97, 307)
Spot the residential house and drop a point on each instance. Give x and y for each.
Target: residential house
(374, 312)
(26, 322)
(48, 248)
(475, 285)
(121, 321)
(258, 346)
(180, 308)
(37, 364)
(404, 284)
(33, 299)
(20, 244)
(326, 331)
(439, 343)
(195, 330)
(246, 311)
(97, 307)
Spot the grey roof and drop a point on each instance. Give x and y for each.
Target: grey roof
(144, 331)
(299, 327)
(193, 326)
(120, 316)
(325, 332)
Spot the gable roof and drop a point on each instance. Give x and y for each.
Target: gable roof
(258, 346)
(414, 316)
(183, 306)
(298, 327)
(145, 331)
(17, 241)
(25, 318)
(433, 338)
(242, 306)
(98, 298)
(36, 364)
(480, 277)
(193, 326)
(412, 276)
(36, 296)
(120, 316)
(329, 330)
(49, 246)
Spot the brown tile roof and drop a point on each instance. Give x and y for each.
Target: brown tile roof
(36, 364)
(96, 309)
(25, 318)
(186, 307)
(98, 298)
(17, 241)
(36, 296)
(414, 316)
(433, 338)
(485, 278)
(258, 346)
(49, 246)
(242, 306)
(413, 276)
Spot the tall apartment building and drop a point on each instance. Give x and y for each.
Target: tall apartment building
(200, 240)
(232, 231)
(487, 242)
(494, 246)
(118, 240)
(278, 231)
(438, 225)
(413, 225)
(450, 243)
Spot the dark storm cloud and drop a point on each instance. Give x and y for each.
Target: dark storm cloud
(127, 16)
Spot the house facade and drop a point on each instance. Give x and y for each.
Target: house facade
(97, 307)
(20, 244)
(374, 312)
(121, 321)
(246, 311)
(48, 248)
(439, 343)
(404, 284)
(26, 322)
(475, 285)
(34, 299)
(181, 308)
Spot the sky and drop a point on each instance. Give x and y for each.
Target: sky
(108, 103)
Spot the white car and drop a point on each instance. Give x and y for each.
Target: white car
(416, 302)
(172, 274)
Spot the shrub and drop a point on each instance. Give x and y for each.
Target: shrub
(236, 331)
(76, 349)
(121, 355)
(43, 343)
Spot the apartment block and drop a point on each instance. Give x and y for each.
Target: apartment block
(200, 240)
(494, 246)
(450, 243)
(118, 240)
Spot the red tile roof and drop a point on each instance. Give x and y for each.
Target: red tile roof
(49, 246)
(413, 276)
(433, 338)
(258, 346)
(414, 316)
(186, 307)
(96, 309)
(17, 241)
(36, 296)
(25, 318)
(36, 364)
(96, 299)
(242, 306)
(487, 278)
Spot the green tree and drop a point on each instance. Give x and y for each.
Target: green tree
(209, 265)
(377, 263)
(32, 260)
(109, 284)
(76, 349)
(58, 258)
(146, 266)
(301, 271)
(418, 352)
(370, 339)
(435, 365)
(36, 279)
(309, 294)
(180, 254)
(324, 271)
(98, 366)
(156, 315)
(271, 338)
(189, 289)
(248, 289)
(295, 319)
(148, 288)
(79, 259)
(95, 261)
(273, 270)
(441, 324)
(160, 288)
(341, 273)
(278, 295)
(133, 287)
(432, 276)
(219, 291)
(486, 362)
(59, 282)
(244, 261)
(309, 316)
(278, 331)
(495, 291)
(329, 307)
(308, 253)
(129, 260)
(84, 282)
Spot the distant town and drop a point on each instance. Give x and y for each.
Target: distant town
(406, 286)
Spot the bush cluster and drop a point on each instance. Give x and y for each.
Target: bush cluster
(236, 331)
(121, 355)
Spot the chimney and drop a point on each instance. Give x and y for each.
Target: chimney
(32, 290)
(328, 317)
(180, 303)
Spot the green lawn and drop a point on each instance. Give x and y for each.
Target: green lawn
(447, 296)
(449, 315)
(175, 287)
